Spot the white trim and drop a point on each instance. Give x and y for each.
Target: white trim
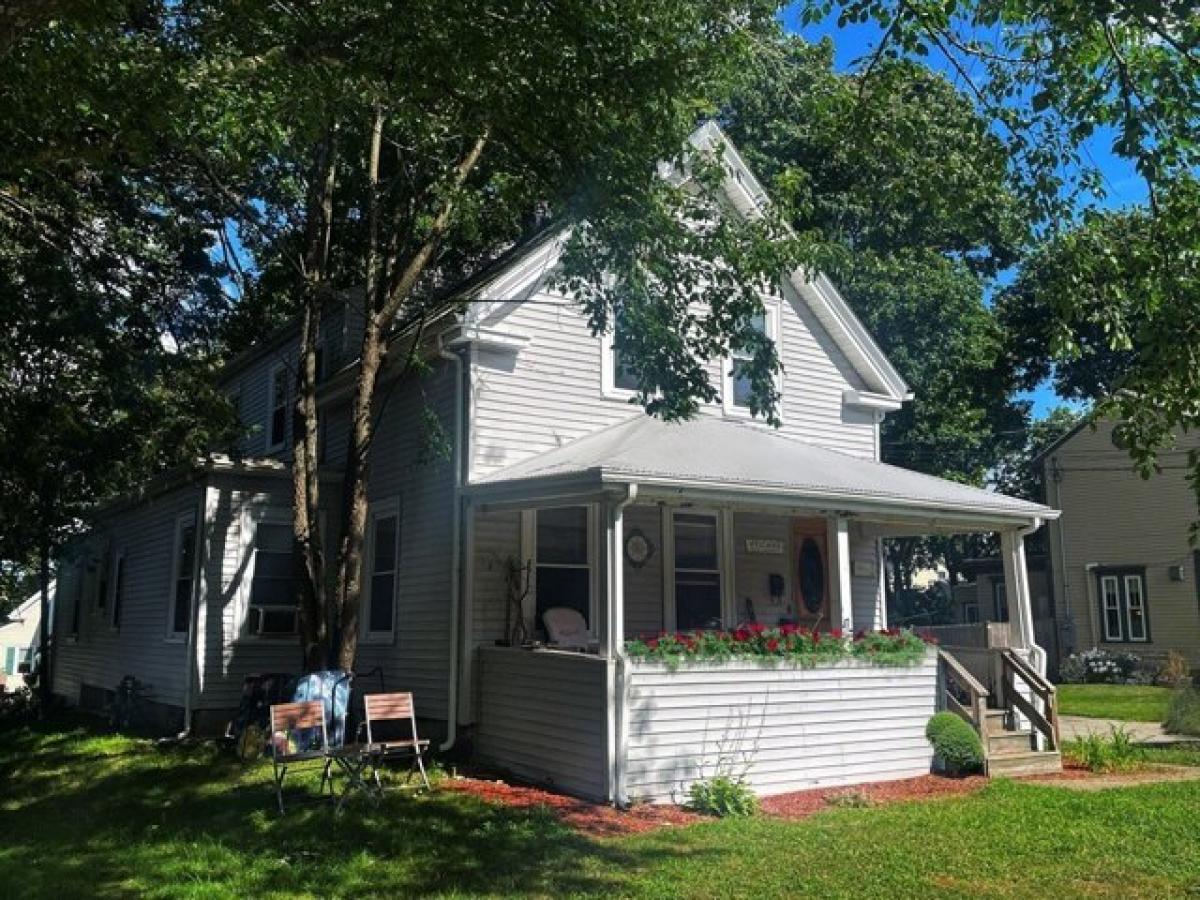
(1136, 578)
(116, 574)
(529, 555)
(1105, 580)
(383, 509)
(273, 380)
(182, 521)
(608, 370)
(252, 516)
(772, 319)
(482, 337)
(870, 400)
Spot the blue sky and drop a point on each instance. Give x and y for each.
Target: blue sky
(855, 42)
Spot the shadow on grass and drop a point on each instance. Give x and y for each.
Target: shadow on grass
(91, 815)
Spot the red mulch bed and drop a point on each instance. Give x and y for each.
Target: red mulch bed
(800, 804)
(594, 819)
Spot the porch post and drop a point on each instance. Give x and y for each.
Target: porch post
(614, 581)
(839, 552)
(1016, 587)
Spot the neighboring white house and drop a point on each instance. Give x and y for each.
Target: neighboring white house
(19, 636)
(639, 525)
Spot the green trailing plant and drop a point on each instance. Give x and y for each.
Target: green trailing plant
(786, 643)
(724, 796)
(955, 744)
(1183, 714)
(1116, 753)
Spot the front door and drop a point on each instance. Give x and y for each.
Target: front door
(810, 574)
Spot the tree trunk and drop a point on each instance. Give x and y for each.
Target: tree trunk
(306, 497)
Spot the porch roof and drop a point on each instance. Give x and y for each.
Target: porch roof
(709, 456)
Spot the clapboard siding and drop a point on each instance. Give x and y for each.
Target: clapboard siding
(551, 391)
(543, 717)
(1113, 517)
(752, 570)
(785, 728)
(866, 591)
(103, 655)
(644, 586)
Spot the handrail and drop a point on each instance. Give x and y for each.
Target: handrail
(976, 714)
(1045, 722)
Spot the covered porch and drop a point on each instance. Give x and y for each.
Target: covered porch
(648, 528)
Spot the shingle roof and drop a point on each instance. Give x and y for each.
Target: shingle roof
(718, 453)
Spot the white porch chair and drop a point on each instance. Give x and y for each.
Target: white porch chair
(566, 628)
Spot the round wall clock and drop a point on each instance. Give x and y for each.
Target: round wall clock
(638, 548)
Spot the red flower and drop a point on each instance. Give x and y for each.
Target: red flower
(816, 636)
(787, 628)
(772, 645)
(742, 634)
(652, 643)
(757, 627)
(836, 633)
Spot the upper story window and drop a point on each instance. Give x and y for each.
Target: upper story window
(183, 576)
(383, 564)
(277, 408)
(736, 388)
(272, 609)
(619, 380)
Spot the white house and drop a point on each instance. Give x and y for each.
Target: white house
(19, 638)
(639, 525)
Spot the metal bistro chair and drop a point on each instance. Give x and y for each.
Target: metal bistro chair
(298, 735)
(389, 709)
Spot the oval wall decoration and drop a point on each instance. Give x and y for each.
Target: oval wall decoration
(812, 576)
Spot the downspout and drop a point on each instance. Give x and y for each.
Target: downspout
(196, 620)
(455, 549)
(1030, 638)
(615, 641)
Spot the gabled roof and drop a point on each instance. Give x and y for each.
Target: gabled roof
(886, 388)
(714, 454)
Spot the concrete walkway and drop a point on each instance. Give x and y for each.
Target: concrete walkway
(1150, 734)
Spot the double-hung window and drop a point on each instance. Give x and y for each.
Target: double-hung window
(383, 561)
(277, 391)
(562, 562)
(272, 607)
(697, 570)
(183, 577)
(737, 385)
(619, 379)
(1123, 613)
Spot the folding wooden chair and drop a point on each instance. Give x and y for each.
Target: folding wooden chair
(298, 735)
(385, 709)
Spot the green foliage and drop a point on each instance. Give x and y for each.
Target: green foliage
(788, 643)
(1183, 713)
(1116, 753)
(955, 743)
(722, 796)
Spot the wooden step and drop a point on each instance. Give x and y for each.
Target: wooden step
(1030, 762)
(995, 721)
(1000, 742)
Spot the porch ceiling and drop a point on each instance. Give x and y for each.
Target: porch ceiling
(719, 460)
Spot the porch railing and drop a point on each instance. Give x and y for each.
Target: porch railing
(964, 694)
(1045, 720)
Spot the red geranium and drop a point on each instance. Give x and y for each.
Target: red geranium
(772, 645)
(836, 633)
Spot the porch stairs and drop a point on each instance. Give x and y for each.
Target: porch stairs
(1009, 750)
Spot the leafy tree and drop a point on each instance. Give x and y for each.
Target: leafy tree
(1017, 474)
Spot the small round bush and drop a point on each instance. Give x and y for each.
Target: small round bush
(1183, 714)
(955, 743)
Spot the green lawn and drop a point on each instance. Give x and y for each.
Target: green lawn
(1128, 702)
(84, 815)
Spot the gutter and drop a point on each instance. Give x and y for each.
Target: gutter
(455, 549)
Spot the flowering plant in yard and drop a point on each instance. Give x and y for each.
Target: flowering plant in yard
(789, 643)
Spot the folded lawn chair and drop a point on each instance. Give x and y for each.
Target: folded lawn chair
(385, 714)
(299, 735)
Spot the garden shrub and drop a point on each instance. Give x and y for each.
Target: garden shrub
(1098, 666)
(1183, 713)
(1175, 671)
(955, 744)
(723, 796)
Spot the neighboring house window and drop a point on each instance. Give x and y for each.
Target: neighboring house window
(277, 408)
(999, 601)
(10, 661)
(272, 608)
(183, 576)
(697, 571)
(1123, 613)
(971, 613)
(383, 560)
(118, 587)
(562, 561)
(737, 387)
